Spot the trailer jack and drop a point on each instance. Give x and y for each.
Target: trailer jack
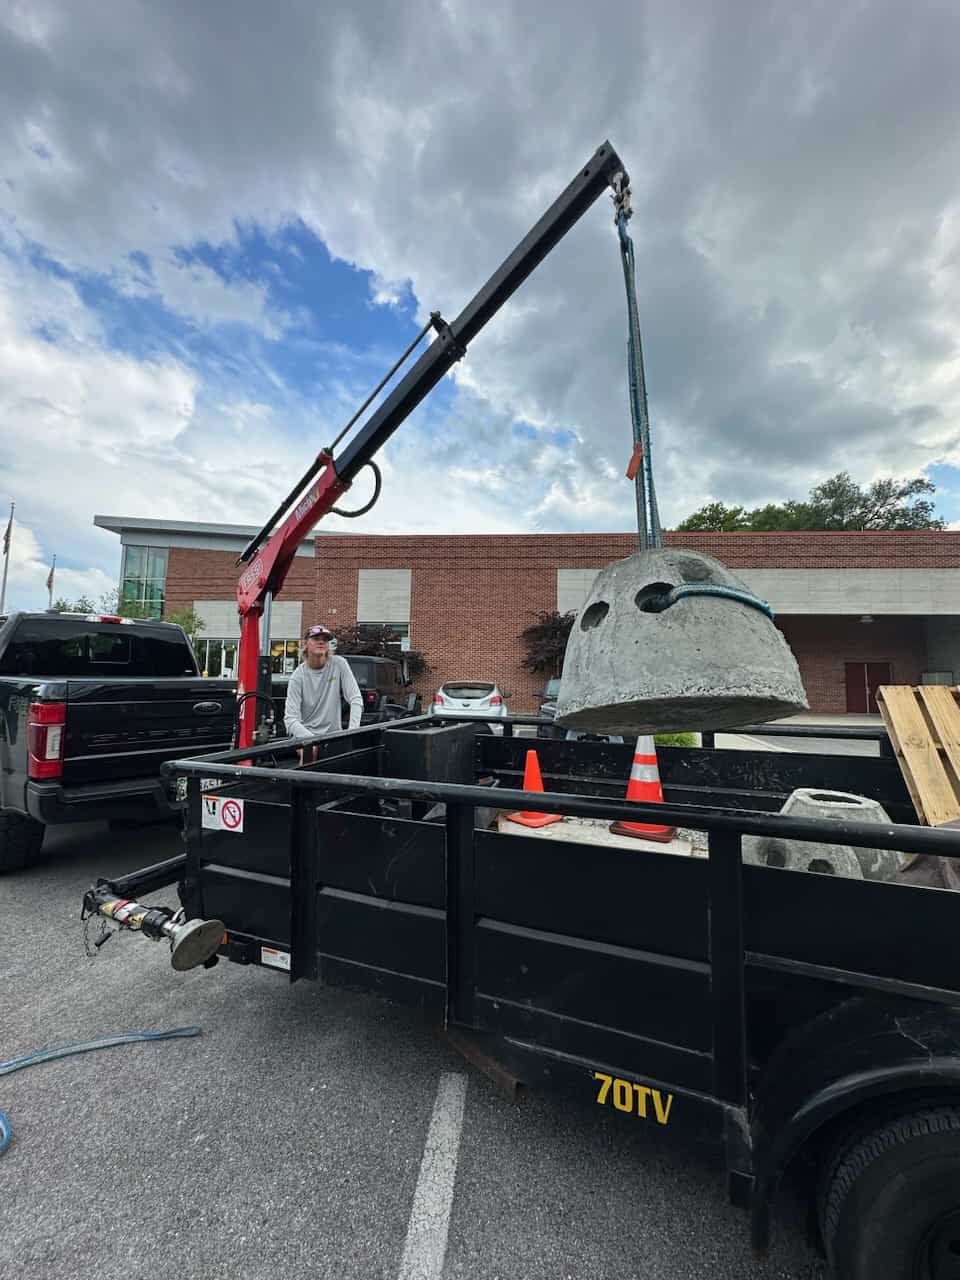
(192, 942)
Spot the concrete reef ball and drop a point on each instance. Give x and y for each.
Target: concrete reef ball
(704, 662)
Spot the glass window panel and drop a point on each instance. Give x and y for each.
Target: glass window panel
(156, 563)
(215, 658)
(134, 561)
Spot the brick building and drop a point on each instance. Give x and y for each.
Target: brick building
(858, 609)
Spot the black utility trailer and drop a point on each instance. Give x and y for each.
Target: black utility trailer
(783, 1015)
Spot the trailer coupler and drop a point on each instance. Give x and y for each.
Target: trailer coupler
(192, 942)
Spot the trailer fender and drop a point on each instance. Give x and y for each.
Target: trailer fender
(855, 1059)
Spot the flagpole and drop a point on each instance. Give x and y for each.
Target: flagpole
(53, 569)
(6, 558)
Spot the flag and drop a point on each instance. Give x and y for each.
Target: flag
(6, 536)
(50, 574)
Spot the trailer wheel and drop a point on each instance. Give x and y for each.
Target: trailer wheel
(891, 1206)
(21, 838)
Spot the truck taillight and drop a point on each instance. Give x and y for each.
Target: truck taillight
(371, 697)
(46, 727)
(496, 700)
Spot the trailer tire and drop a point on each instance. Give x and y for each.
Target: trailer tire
(891, 1200)
(21, 839)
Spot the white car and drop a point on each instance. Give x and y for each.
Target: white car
(480, 698)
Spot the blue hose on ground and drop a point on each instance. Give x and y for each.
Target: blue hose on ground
(85, 1046)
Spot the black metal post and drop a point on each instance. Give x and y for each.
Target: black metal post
(192, 892)
(708, 739)
(461, 914)
(727, 968)
(303, 885)
(148, 879)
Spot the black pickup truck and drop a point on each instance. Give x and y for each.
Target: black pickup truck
(90, 708)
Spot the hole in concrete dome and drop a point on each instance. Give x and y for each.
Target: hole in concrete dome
(821, 866)
(653, 597)
(776, 857)
(593, 616)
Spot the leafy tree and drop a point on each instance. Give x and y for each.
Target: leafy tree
(887, 504)
(110, 603)
(715, 518)
(191, 622)
(381, 642)
(81, 605)
(545, 642)
(836, 503)
(782, 516)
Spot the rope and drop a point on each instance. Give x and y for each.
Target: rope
(86, 1046)
(648, 515)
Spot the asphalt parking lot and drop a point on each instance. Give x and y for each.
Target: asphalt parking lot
(290, 1137)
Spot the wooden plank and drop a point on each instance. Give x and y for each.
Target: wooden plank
(917, 748)
(943, 712)
(892, 733)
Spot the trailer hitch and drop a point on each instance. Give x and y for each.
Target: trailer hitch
(192, 942)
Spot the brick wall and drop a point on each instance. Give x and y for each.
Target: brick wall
(472, 594)
(823, 645)
(212, 575)
(915, 549)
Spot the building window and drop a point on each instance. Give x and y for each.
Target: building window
(218, 657)
(285, 656)
(383, 593)
(573, 587)
(144, 577)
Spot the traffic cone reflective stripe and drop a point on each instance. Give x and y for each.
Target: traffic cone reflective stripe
(644, 786)
(533, 781)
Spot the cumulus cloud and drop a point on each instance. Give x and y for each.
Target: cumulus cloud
(797, 226)
(30, 565)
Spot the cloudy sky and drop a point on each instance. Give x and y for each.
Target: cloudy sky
(220, 222)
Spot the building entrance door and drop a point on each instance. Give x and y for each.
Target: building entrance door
(863, 681)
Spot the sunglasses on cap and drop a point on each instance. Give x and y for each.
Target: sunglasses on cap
(317, 633)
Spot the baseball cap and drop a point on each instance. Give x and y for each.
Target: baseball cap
(318, 633)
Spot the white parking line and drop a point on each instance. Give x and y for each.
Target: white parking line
(426, 1242)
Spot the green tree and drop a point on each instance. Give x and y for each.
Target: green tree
(83, 604)
(191, 622)
(715, 518)
(545, 642)
(110, 603)
(836, 503)
(886, 504)
(779, 516)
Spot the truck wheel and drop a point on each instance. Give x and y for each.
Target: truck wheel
(891, 1204)
(20, 840)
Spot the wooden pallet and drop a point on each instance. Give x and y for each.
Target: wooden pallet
(923, 723)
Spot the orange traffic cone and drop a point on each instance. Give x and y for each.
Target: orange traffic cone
(644, 785)
(533, 781)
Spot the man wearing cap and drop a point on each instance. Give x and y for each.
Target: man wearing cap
(316, 688)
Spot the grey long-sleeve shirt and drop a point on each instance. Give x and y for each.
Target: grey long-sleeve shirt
(313, 698)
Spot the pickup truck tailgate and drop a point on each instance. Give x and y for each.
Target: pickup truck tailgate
(123, 731)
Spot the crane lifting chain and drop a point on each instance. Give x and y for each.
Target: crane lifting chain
(640, 469)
